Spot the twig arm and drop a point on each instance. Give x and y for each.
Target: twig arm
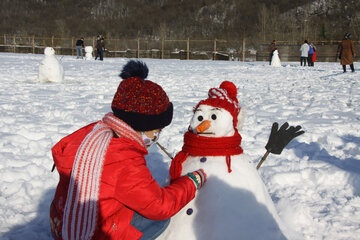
(262, 159)
(164, 150)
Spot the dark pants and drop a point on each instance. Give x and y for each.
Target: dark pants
(351, 66)
(310, 60)
(151, 229)
(99, 53)
(303, 60)
(270, 57)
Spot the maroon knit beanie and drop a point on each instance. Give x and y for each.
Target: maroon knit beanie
(141, 103)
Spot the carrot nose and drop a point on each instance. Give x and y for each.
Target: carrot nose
(203, 126)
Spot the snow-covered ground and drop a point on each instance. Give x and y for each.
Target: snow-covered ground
(314, 183)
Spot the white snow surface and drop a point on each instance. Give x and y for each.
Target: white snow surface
(314, 183)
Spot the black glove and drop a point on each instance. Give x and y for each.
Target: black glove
(280, 138)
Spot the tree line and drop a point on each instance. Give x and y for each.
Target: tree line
(201, 19)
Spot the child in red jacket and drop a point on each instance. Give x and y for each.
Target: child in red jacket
(106, 190)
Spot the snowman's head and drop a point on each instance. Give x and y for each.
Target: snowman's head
(88, 49)
(220, 115)
(49, 51)
(212, 122)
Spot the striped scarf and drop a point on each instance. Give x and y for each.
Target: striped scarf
(80, 213)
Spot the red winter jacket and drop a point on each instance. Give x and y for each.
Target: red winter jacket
(126, 186)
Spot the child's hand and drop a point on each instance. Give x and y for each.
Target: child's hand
(198, 177)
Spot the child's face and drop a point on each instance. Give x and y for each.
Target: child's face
(150, 137)
(152, 133)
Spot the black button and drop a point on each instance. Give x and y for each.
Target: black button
(189, 211)
(203, 159)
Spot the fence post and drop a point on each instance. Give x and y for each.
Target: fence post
(4, 39)
(115, 48)
(243, 50)
(162, 48)
(33, 44)
(14, 43)
(188, 49)
(138, 48)
(52, 41)
(93, 45)
(214, 55)
(72, 46)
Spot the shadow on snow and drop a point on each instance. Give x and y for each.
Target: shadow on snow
(37, 228)
(249, 220)
(349, 164)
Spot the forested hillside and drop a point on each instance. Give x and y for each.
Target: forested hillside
(179, 19)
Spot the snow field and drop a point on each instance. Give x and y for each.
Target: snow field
(314, 183)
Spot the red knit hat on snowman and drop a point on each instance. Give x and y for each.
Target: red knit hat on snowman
(224, 97)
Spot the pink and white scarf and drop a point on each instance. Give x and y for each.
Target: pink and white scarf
(80, 213)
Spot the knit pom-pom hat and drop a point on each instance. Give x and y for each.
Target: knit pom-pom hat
(224, 97)
(141, 103)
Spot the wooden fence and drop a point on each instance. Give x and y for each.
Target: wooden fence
(216, 49)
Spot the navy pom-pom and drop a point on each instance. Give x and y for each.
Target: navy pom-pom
(134, 68)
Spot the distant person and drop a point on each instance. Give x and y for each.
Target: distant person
(272, 48)
(98, 37)
(311, 54)
(100, 48)
(314, 56)
(304, 53)
(347, 52)
(79, 48)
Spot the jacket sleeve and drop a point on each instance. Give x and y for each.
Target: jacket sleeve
(137, 189)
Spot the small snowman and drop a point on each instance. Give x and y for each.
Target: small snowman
(275, 60)
(234, 202)
(50, 69)
(88, 52)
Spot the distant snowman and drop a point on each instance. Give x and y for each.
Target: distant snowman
(234, 202)
(50, 69)
(88, 52)
(275, 60)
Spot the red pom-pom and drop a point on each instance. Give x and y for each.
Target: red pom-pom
(230, 89)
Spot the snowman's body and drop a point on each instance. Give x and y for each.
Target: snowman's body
(234, 202)
(88, 52)
(275, 60)
(50, 69)
(232, 205)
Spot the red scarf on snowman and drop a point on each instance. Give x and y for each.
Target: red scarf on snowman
(195, 145)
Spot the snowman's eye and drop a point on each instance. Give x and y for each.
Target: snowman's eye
(200, 118)
(213, 117)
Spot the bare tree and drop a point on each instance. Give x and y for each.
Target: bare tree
(263, 18)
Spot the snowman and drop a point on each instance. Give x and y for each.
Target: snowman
(88, 52)
(50, 69)
(234, 202)
(275, 60)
